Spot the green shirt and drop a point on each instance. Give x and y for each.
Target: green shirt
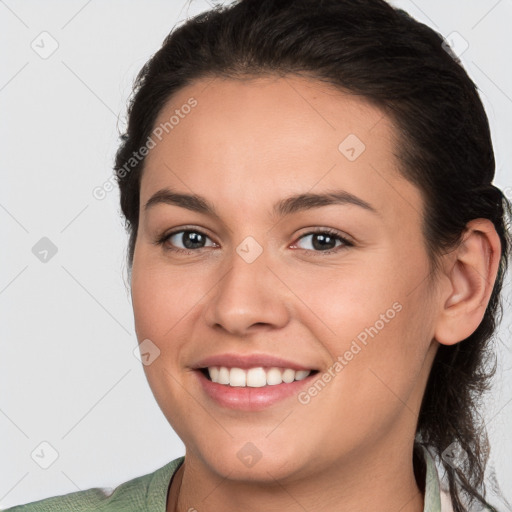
(148, 493)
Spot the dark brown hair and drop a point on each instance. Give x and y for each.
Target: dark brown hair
(443, 145)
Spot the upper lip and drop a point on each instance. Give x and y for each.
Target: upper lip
(248, 361)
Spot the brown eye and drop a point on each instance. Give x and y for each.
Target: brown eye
(190, 239)
(325, 241)
(185, 240)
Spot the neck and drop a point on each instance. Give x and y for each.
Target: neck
(376, 480)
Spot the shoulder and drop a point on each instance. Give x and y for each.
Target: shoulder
(437, 490)
(146, 493)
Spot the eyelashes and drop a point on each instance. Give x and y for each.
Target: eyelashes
(164, 240)
(322, 237)
(331, 235)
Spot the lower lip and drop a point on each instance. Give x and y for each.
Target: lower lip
(249, 398)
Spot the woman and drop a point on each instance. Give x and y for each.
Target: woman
(316, 257)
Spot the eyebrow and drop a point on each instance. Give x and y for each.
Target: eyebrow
(282, 208)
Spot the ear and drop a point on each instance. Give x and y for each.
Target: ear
(470, 273)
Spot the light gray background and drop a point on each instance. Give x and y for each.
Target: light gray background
(68, 375)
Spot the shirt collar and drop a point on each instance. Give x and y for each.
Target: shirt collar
(432, 488)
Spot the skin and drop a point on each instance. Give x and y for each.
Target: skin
(245, 146)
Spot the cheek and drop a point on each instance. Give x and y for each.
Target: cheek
(346, 300)
(161, 298)
(375, 319)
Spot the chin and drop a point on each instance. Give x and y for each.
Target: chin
(257, 460)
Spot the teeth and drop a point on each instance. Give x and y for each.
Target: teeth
(255, 377)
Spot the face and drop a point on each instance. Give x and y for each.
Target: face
(337, 283)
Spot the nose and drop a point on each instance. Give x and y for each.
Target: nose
(248, 297)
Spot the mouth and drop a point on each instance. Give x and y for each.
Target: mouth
(252, 389)
(255, 377)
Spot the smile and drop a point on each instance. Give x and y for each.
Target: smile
(253, 377)
(252, 389)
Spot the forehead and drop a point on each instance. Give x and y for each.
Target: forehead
(268, 110)
(273, 136)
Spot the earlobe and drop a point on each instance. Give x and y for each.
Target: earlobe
(471, 275)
